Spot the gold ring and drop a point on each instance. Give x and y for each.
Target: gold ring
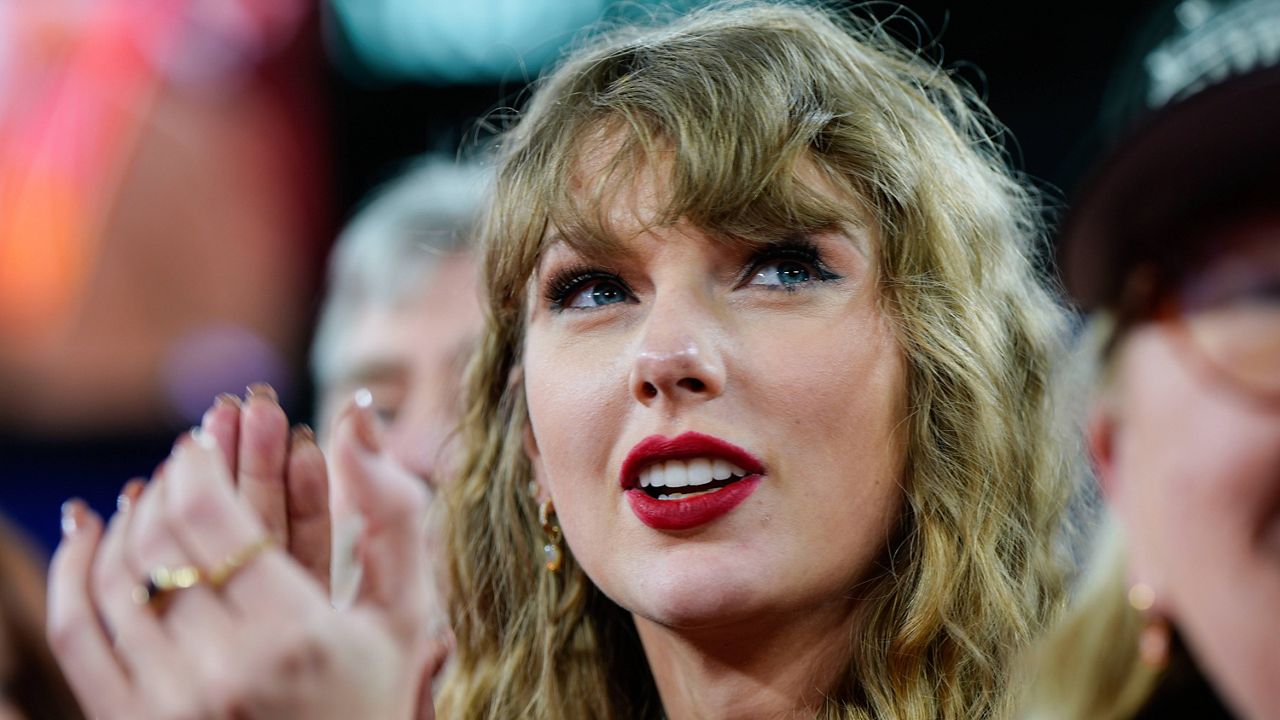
(224, 573)
(163, 581)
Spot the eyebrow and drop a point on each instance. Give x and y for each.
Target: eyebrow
(372, 371)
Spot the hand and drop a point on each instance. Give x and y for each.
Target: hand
(280, 474)
(265, 644)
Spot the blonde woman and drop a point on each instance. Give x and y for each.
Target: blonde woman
(1175, 246)
(760, 423)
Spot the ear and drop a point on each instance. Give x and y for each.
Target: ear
(1101, 433)
(538, 486)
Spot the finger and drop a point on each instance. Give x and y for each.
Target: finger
(223, 422)
(215, 526)
(140, 640)
(264, 443)
(195, 618)
(76, 636)
(308, 504)
(393, 504)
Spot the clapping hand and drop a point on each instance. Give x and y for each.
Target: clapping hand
(206, 595)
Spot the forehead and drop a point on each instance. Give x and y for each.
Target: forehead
(424, 327)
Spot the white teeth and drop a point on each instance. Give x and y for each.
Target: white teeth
(695, 471)
(720, 469)
(699, 471)
(676, 472)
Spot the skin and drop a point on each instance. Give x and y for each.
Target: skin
(410, 356)
(751, 614)
(1192, 467)
(267, 644)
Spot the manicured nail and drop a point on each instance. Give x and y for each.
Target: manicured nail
(302, 432)
(262, 390)
(228, 400)
(129, 494)
(204, 439)
(73, 516)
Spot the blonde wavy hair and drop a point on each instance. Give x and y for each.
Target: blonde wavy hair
(736, 97)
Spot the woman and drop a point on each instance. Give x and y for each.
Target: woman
(756, 227)
(762, 254)
(1175, 246)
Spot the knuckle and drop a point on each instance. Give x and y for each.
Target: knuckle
(304, 655)
(194, 508)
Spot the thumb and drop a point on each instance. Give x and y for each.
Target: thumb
(392, 505)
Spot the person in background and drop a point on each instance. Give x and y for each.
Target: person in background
(1175, 248)
(31, 686)
(401, 317)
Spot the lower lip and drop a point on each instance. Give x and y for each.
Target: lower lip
(690, 512)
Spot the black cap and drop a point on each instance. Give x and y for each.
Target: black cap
(1203, 128)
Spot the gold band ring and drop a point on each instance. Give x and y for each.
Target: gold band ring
(163, 581)
(226, 572)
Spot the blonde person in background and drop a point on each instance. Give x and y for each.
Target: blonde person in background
(759, 425)
(400, 318)
(1175, 247)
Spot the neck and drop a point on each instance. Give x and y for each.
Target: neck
(766, 667)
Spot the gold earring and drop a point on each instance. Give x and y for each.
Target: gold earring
(1154, 638)
(551, 550)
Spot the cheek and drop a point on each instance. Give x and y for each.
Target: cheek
(576, 409)
(1199, 470)
(842, 378)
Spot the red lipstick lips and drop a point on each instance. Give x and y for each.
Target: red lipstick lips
(688, 512)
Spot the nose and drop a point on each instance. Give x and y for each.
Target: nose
(678, 359)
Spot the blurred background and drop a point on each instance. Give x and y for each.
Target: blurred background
(173, 173)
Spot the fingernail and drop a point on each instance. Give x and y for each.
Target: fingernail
(204, 439)
(228, 400)
(302, 432)
(72, 516)
(262, 390)
(129, 494)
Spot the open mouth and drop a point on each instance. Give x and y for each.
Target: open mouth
(679, 479)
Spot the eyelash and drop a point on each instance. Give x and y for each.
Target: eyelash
(562, 286)
(800, 250)
(565, 283)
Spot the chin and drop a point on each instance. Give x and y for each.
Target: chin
(685, 593)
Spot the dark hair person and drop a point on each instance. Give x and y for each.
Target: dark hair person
(1175, 247)
(31, 686)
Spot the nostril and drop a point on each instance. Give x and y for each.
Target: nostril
(650, 390)
(692, 384)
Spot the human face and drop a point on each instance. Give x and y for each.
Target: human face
(410, 356)
(1193, 463)
(783, 353)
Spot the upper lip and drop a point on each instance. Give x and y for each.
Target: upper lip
(656, 449)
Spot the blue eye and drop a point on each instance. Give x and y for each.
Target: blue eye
(787, 265)
(596, 293)
(783, 273)
(586, 289)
